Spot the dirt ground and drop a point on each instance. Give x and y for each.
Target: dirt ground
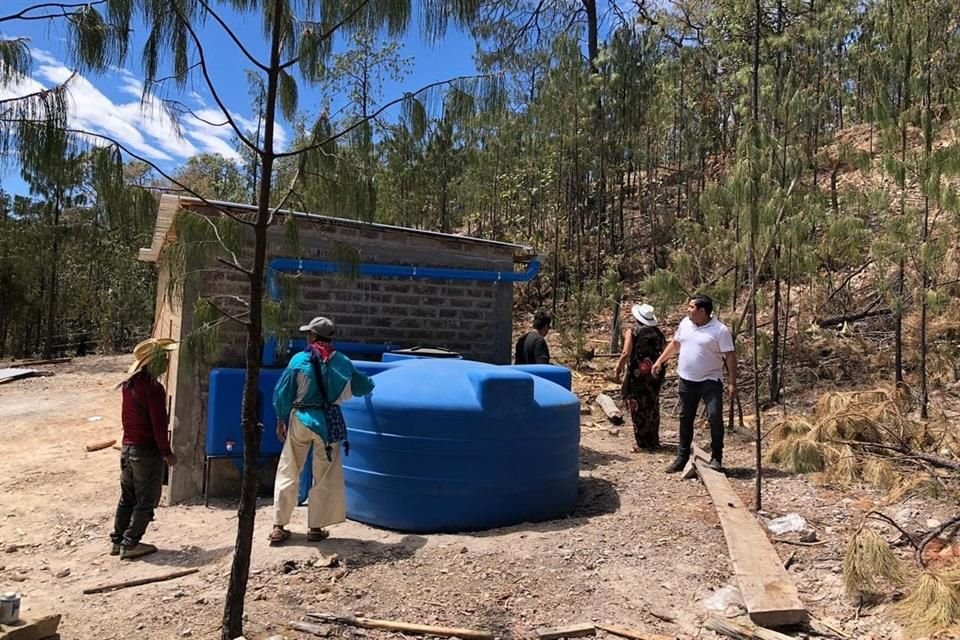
(642, 550)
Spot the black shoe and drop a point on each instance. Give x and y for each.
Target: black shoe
(137, 551)
(677, 466)
(716, 465)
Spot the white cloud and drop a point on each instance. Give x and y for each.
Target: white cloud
(142, 125)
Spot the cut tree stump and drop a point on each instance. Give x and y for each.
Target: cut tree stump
(571, 631)
(768, 592)
(403, 627)
(610, 408)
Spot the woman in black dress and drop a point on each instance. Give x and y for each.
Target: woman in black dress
(642, 345)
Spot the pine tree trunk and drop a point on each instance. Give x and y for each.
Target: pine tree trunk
(52, 287)
(752, 259)
(240, 567)
(775, 337)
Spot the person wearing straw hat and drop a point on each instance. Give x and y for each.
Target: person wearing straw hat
(307, 401)
(642, 345)
(145, 447)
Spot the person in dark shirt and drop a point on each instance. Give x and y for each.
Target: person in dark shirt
(145, 447)
(532, 347)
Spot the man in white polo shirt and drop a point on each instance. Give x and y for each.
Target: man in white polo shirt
(705, 345)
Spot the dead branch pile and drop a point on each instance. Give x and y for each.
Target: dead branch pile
(871, 436)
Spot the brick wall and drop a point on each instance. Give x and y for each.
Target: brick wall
(473, 318)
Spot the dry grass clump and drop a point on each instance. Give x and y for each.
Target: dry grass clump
(790, 427)
(798, 455)
(869, 564)
(933, 604)
(841, 465)
(881, 473)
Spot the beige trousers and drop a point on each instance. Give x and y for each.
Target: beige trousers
(326, 502)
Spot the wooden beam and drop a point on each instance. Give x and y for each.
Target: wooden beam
(690, 471)
(768, 592)
(742, 632)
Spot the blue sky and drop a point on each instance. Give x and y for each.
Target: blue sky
(110, 103)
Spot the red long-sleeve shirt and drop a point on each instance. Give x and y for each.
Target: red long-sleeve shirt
(144, 413)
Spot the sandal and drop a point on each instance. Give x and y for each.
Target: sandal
(316, 535)
(278, 535)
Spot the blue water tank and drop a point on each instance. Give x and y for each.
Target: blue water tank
(454, 445)
(224, 428)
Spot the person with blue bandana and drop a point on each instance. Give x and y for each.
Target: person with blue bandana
(307, 401)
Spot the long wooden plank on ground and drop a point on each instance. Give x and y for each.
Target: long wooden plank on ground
(770, 596)
(690, 471)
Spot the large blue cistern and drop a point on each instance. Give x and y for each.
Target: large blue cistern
(454, 445)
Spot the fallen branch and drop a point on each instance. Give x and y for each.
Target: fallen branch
(852, 317)
(570, 631)
(935, 460)
(743, 632)
(96, 446)
(403, 627)
(623, 632)
(35, 363)
(800, 543)
(927, 539)
(140, 581)
(610, 408)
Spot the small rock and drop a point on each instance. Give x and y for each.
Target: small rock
(324, 562)
(289, 566)
(614, 431)
(463, 549)
(63, 573)
(808, 536)
(200, 600)
(10, 548)
(933, 523)
(186, 633)
(140, 626)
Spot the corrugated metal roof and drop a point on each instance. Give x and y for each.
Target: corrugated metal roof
(170, 204)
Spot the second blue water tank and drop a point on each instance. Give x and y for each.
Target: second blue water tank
(455, 445)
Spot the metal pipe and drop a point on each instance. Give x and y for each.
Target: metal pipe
(293, 265)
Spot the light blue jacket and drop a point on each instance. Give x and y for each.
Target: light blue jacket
(297, 385)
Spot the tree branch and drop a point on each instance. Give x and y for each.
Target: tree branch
(226, 314)
(153, 166)
(233, 36)
(328, 33)
(374, 115)
(63, 6)
(213, 90)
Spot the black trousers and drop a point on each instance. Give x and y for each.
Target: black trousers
(691, 393)
(141, 482)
